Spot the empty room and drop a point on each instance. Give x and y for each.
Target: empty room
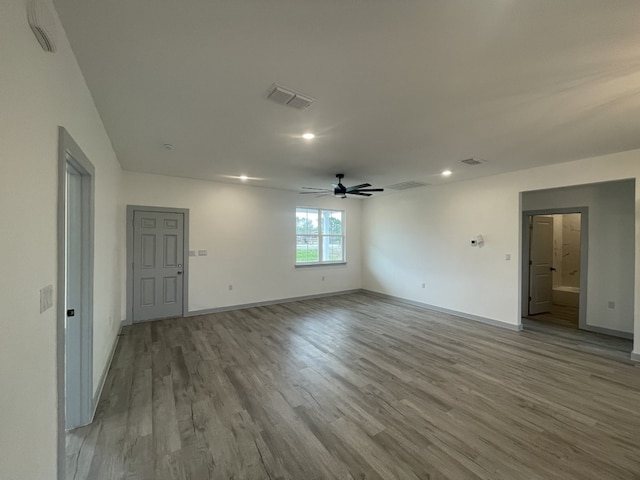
(320, 240)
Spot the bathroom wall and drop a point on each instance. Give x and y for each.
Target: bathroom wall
(558, 221)
(566, 250)
(571, 250)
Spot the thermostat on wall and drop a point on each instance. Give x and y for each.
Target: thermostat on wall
(477, 241)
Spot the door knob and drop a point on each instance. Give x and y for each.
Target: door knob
(552, 269)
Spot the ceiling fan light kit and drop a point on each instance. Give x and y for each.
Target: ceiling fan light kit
(473, 161)
(339, 190)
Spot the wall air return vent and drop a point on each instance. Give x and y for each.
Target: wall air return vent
(407, 185)
(472, 161)
(42, 24)
(286, 96)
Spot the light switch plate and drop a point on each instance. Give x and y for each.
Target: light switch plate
(192, 253)
(202, 253)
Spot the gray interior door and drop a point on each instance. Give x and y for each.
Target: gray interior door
(540, 264)
(158, 250)
(78, 365)
(73, 304)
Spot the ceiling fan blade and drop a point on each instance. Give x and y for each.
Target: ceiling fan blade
(314, 188)
(358, 187)
(336, 186)
(361, 194)
(369, 190)
(326, 192)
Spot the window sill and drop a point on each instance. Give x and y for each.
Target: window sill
(325, 264)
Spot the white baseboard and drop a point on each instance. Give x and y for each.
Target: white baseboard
(468, 316)
(635, 356)
(105, 371)
(607, 331)
(269, 302)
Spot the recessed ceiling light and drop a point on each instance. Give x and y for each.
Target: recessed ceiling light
(308, 136)
(446, 173)
(244, 178)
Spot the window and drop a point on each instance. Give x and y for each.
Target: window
(319, 236)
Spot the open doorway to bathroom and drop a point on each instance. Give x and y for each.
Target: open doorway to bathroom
(604, 281)
(555, 267)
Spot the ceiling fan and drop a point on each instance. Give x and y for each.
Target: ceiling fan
(339, 190)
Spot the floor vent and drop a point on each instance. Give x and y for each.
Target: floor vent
(407, 185)
(286, 96)
(472, 161)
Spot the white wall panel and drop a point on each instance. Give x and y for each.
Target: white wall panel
(423, 236)
(249, 236)
(38, 92)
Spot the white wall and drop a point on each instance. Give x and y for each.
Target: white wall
(38, 92)
(611, 233)
(250, 237)
(423, 235)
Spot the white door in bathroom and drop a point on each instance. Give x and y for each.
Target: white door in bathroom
(540, 264)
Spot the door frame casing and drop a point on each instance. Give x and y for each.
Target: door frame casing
(131, 209)
(584, 258)
(70, 153)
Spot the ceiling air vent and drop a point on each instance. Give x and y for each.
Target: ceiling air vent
(286, 96)
(407, 185)
(472, 161)
(42, 24)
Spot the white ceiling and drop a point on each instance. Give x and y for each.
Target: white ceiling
(403, 89)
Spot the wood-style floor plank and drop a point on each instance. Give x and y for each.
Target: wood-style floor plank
(360, 387)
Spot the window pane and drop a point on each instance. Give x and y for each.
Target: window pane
(332, 250)
(306, 220)
(331, 222)
(307, 249)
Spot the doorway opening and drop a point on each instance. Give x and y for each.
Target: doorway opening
(76, 185)
(607, 256)
(549, 238)
(555, 267)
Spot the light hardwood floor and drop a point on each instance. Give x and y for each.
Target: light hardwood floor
(356, 387)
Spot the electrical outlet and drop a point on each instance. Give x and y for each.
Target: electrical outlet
(507, 256)
(230, 287)
(323, 278)
(612, 304)
(424, 285)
